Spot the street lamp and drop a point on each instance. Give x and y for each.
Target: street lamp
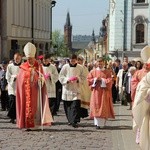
(32, 21)
(53, 3)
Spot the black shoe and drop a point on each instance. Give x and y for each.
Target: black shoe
(55, 114)
(75, 125)
(28, 130)
(69, 123)
(97, 127)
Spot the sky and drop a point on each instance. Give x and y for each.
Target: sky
(85, 15)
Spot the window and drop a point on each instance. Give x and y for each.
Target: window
(140, 33)
(140, 1)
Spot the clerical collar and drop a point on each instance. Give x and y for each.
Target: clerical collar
(73, 65)
(46, 65)
(100, 69)
(15, 64)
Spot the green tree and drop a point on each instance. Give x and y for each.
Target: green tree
(59, 46)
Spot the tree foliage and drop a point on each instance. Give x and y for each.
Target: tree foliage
(59, 46)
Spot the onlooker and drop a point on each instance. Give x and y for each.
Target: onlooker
(127, 85)
(120, 80)
(4, 88)
(125, 59)
(138, 65)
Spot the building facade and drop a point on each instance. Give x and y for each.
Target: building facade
(23, 21)
(141, 24)
(129, 27)
(119, 30)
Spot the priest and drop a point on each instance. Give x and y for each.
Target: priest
(100, 82)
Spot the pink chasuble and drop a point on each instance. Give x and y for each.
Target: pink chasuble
(137, 77)
(101, 105)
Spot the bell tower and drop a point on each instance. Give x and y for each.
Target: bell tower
(68, 32)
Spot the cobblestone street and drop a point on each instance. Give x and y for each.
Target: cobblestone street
(117, 136)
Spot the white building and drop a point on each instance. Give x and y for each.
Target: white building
(120, 27)
(129, 27)
(141, 24)
(23, 21)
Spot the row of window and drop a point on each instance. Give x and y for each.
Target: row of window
(140, 1)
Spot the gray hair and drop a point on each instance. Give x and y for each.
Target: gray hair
(132, 68)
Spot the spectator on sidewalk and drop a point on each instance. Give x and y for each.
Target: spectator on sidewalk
(11, 74)
(4, 88)
(125, 59)
(138, 65)
(120, 80)
(127, 85)
(100, 82)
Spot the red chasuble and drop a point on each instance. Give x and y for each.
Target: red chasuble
(101, 98)
(28, 105)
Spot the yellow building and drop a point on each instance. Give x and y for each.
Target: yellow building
(23, 21)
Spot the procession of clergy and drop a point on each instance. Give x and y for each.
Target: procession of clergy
(32, 91)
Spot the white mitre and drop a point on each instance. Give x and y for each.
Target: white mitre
(145, 53)
(29, 50)
(148, 61)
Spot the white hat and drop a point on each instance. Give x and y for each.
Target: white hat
(148, 61)
(145, 53)
(29, 50)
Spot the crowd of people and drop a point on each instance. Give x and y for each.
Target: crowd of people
(31, 91)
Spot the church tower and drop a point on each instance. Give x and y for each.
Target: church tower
(93, 37)
(68, 32)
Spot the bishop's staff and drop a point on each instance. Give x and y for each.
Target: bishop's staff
(40, 94)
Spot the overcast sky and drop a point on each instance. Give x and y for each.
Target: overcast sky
(85, 15)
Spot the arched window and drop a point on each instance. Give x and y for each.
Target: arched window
(140, 1)
(140, 33)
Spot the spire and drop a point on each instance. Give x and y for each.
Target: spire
(93, 36)
(68, 20)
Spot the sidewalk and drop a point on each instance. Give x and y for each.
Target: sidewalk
(122, 133)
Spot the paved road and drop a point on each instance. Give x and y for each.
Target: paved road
(117, 136)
